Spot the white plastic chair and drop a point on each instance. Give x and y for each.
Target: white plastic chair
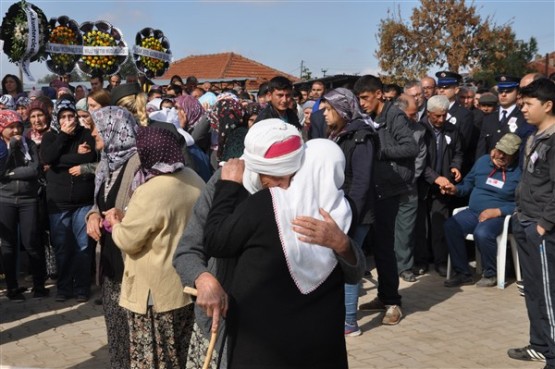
(501, 253)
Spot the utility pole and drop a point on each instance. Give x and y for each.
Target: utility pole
(324, 71)
(302, 69)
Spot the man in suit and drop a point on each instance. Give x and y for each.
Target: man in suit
(414, 88)
(506, 119)
(459, 116)
(443, 166)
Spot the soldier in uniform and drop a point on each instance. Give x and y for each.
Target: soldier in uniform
(459, 116)
(506, 119)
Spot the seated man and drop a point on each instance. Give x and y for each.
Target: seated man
(491, 184)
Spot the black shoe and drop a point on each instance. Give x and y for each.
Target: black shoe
(82, 298)
(408, 276)
(458, 280)
(525, 353)
(16, 295)
(549, 367)
(441, 270)
(40, 292)
(420, 269)
(61, 298)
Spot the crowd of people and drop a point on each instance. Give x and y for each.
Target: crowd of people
(270, 205)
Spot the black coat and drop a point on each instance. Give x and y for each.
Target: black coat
(59, 151)
(492, 130)
(451, 154)
(269, 112)
(395, 154)
(19, 175)
(318, 126)
(463, 119)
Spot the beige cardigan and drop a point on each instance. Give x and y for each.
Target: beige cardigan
(148, 234)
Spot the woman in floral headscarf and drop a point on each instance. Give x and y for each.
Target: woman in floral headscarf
(160, 315)
(226, 118)
(118, 164)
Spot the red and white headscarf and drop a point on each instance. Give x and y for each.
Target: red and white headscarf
(272, 147)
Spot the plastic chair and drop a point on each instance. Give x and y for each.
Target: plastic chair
(501, 253)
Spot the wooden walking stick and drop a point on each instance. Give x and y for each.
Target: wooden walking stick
(213, 337)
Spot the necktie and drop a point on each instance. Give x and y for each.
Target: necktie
(503, 120)
(439, 152)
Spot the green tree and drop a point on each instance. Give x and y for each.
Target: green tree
(511, 57)
(448, 34)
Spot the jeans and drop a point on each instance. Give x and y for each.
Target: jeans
(68, 232)
(23, 214)
(485, 236)
(351, 290)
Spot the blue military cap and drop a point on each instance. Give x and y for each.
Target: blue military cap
(506, 81)
(446, 78)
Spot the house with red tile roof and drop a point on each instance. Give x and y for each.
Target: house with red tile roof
(545, 64)
(224, 70)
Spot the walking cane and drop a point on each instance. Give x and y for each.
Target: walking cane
(213, 337)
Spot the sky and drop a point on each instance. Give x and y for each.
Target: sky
(335, 36)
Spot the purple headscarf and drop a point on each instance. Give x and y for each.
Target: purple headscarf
(192, 108)
(346, 104)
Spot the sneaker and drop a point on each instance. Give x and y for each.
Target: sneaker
(392, 315)
(458, 280)
(352, 330)
(487, 282)
(525, 353)
(373, 306)
(407, 276)
(40, 292)
(520, 287)
(420, 269)
(16, 295)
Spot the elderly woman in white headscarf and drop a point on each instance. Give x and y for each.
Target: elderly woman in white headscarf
(279, 274)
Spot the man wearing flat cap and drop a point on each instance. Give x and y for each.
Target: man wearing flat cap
(459, 116)
(507, 118)
(487, 103)
(491, 184)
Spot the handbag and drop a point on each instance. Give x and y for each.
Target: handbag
(51, 267)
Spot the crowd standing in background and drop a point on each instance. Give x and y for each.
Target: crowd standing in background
(145, 189)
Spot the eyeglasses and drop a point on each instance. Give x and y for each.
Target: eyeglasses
(506, 90)
(428, 87)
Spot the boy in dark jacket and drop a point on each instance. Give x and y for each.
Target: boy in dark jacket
(393, 174)
(69, 199)
(534, 223)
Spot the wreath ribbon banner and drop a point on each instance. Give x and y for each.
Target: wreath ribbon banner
(143, 51)
(105, 50)
(64, 49)
(32, 42)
